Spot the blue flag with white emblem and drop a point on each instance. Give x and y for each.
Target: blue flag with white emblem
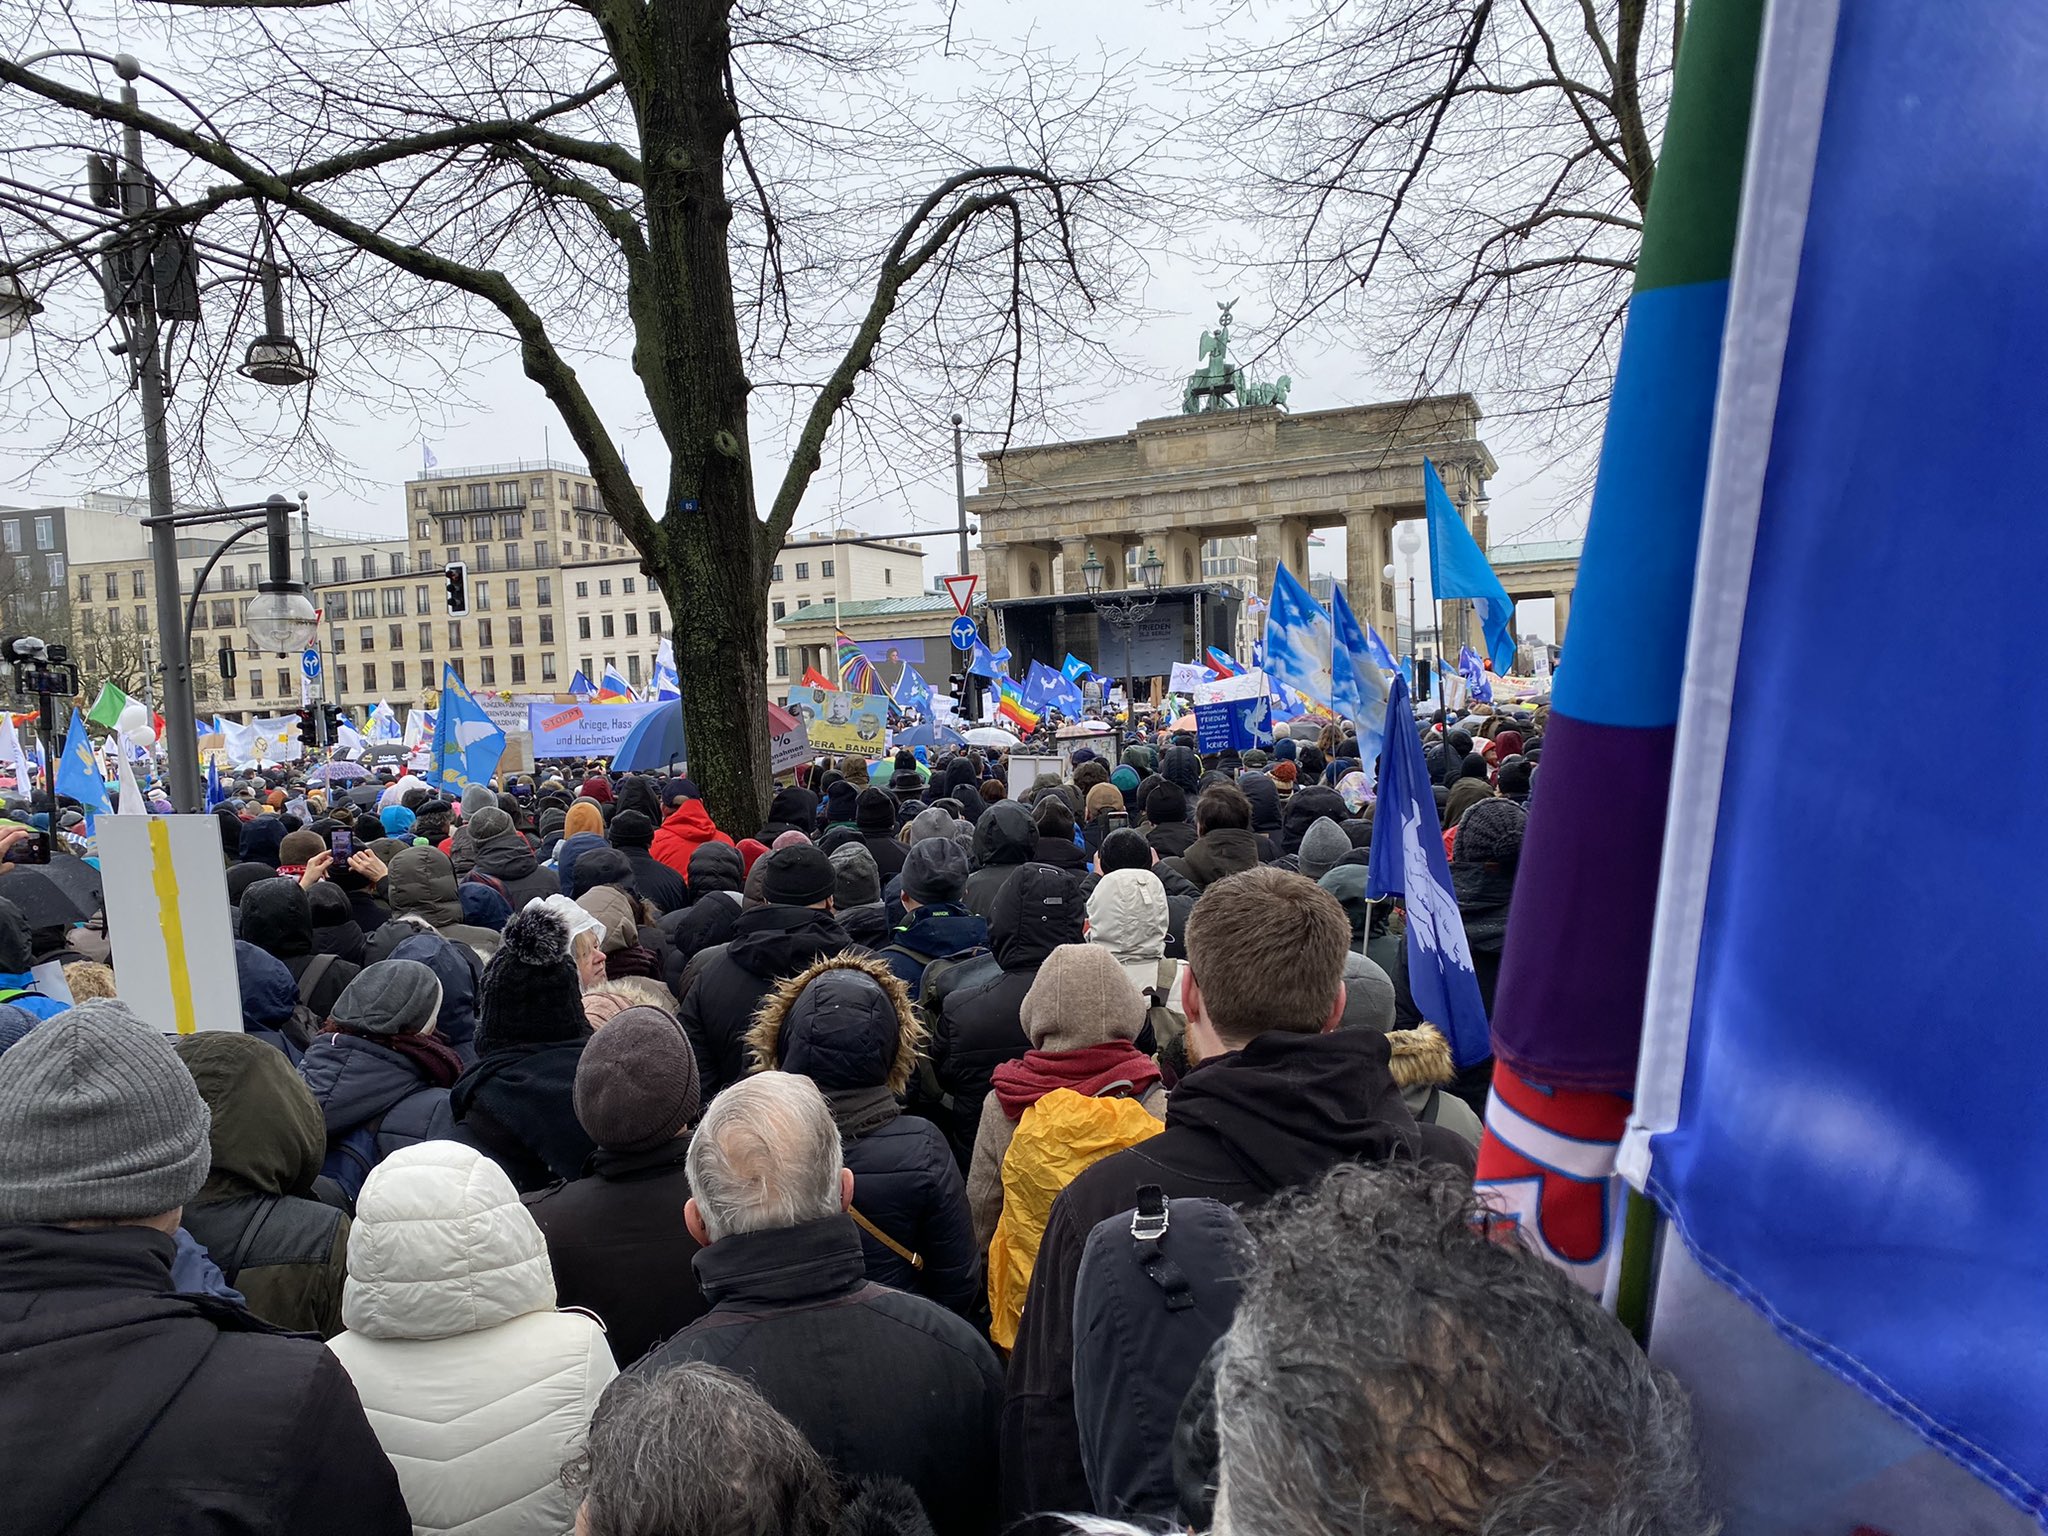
(983, 662)
(1457, 568)
(1074, 669)
(1473, 670)
(1411, 865)
(467, 742)
(1298, 640)
(913, 692)
(1381, 656)
(1361, 687)
(78, 773)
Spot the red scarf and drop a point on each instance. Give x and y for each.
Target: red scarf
(1091, 1071)
(437, 1060)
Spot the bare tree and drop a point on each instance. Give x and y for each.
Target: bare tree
(759, 199)
(1458, 184)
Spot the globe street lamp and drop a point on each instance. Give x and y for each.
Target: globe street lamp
(1126, 612)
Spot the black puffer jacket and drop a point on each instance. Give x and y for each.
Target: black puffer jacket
(1304, 807)
(1003, 839)
(357, 1080)
(422, 885)
(978, 1028)
(126, 1408)
(510, 859)
(769, 944)
(517, 1107)
(1267, 822)
(847, 1025)
(277, 919)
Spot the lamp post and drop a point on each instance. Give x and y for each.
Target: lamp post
(151, 272)
(1126, 612)
(1409, 542)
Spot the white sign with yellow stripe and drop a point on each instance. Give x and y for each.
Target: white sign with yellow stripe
(166, 895)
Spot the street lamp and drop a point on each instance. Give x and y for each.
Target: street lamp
(275, 358)
(1128, 611)
(1409, 542)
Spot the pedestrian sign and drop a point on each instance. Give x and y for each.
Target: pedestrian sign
(964, 633)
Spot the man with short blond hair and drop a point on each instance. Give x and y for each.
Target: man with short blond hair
(1275, 1096)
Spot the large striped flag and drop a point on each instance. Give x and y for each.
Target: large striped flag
(1839, 1100)
(1567, 1020)
(856, 672)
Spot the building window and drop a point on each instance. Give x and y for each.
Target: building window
(652, 589)
(391, 603)
(367, 639)
(198, 615)
(480, 596)
(775, 574)
(421, 601)
(518, 669)
(85, 586)
(489, 669)
(544, 591)
(451, 530)
(561, 490)
(419, 497)
(369, 677)
(369, 564)
(583, 589)
(46, 533)
(227, 688)
(451, 498)
(10, 537)
(255, 684)
(633, 669)
(515, 631)
(888, 577)
(537, 487)
(511, 525)
(547, 666)
(362, 604)
(54, 566)
(512, 592)
(540, 551)
(582, 626)
(803, 570)
(426, 638)
(339, 567)
(113, 583)
(547, 629)
(654, 621)
(481, 560)
(400, 562)
(824, 567)
(604, 622)
(782, 661)
(336, 640)
(479, 496)
(803, 602)
(604, 589)
(223, 615)
(626, 586)
(508, 493)
(483, 632)
(395, 636)
(284, 683)
(540, 519)
(511, 557)
(423, 530)
(479, 529)
(777, 609)
(585, 666)
(455, 634)
(632, 623)
(586, 552)
(340, 678)
(398, 675)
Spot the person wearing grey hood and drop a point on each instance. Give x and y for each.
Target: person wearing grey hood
(857, 895)
(424, 899)
(462, 841)
(1004, 838)
(187, 1415)
(378, 1073)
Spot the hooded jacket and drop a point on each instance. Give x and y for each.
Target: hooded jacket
(882, 1384)
(1004, 838)
(17, 955)
(1267, 823)
(281, 1249)
(510, 859)
(847, 1024)
(688, 828)
(180, 1415)
(632, 834)
(1217, 854)
(979, 1024)
(396, 1082)
(1240, 1129)
(460, 973)
(567, 852)
(277, 919)
(271, 1010)
(477, 1387)
(517, 1104)
(769, 944)
(422, 885)
(944, 930)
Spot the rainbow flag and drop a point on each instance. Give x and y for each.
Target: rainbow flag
(1011, 706)
(1568, 1013)
(856, 673)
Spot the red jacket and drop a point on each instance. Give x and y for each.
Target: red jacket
(687, 829)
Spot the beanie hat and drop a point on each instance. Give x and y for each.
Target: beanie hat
(488, 823)
(790, 839)
(636, 1084)
(715, 867)
(1283, 772)
(841, 798)
(797, 877)
(839, 835)
(875, 810)
(300, 848)
(530, 993)
(390, 997)
(935, 870)
(1321, 847)
(98, 1120)
(1491, 833)
(1080, 997)
(1104, 797)
(14, 1023)
(632, 829)
(856, 878)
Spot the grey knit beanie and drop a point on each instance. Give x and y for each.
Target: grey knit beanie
(636, 1082)
(98, 1120)
(390, 997)
(935, 870)
(1321, 847)
(488, 823)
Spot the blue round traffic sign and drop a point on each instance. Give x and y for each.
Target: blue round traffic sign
(964, 633)
(309, 662)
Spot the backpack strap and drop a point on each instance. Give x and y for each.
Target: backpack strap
(310, 981)
(1148, 1225)
(914, 1260)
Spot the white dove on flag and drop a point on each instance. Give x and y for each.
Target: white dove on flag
(469, 732)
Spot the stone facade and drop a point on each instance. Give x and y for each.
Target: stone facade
(1174, 482)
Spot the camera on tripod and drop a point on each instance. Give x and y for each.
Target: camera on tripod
(41, 671)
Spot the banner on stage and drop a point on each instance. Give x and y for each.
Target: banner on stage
(1233, 714)
(841, 722)
(582, 730)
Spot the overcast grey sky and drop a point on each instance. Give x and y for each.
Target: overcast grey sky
(512, 420)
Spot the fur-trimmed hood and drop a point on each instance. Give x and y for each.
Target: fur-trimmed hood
(1421, 1057)
(845, 1022)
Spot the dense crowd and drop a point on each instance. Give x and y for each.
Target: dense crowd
(942, 1155)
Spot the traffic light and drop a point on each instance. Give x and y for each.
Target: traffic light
(337, 717)
(457, 576)
(305, 719)
(227, 661)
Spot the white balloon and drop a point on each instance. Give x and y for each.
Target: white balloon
(135, 726)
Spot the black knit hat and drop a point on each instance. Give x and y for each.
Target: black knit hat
(632, 829)
(530, 994)
(1491, 833)
(875, 810)
(797, 876)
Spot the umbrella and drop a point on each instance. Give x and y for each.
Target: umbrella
(337, 772)
(62, 891)
(654, 742)
(929, 735)
(1184, 723)
(990, 736)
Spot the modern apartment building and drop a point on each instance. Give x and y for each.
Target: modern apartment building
(614, 616)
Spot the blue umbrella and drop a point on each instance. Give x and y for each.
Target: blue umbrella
(654, 742)
(929, 735)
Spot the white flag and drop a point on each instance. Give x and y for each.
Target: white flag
(277, 739)
(15, 753)
(131, 792)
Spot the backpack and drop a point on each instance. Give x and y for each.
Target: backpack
(1058, 1139)
(1169, 1029)
(925, 962)
(350, 1160)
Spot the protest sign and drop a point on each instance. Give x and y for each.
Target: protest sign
(582, 730)
(1233, 714)
(166, 897)
(841, 722)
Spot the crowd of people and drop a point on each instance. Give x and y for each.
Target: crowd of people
(944, 1155)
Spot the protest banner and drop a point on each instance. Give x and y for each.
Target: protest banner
(788, 740)
(1233, 714)
(582, 730)
(166, 897)
(841, 722)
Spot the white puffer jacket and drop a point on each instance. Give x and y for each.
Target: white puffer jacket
(477, 1388)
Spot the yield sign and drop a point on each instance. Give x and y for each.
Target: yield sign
(961, 590)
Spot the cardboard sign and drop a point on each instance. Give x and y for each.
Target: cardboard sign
(518, 756)
(837, 721)
(166, 895)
